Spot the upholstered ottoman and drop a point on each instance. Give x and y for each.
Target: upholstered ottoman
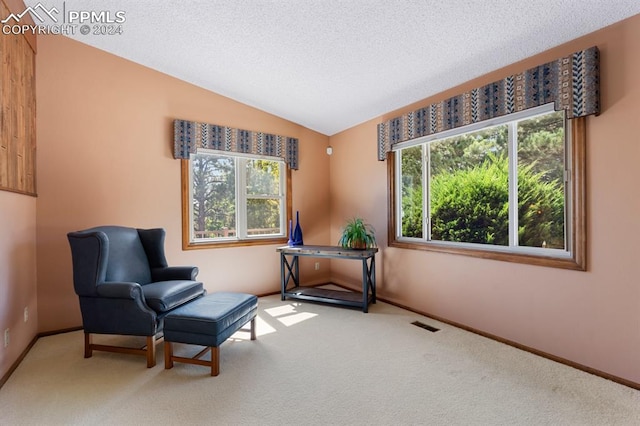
(208, 321)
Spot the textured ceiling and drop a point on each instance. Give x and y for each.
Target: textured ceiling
(331, 64)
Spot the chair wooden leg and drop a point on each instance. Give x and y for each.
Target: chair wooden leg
(168, 355)
(253, 329)
(88, 351)
(215, 360)
(151, 351)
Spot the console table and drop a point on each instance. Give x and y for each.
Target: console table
(290, 271)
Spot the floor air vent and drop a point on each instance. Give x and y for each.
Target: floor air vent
(425, 326)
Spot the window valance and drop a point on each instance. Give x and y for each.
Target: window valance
(191, 135)
(571, 83)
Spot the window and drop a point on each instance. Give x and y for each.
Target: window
(510, 188)
(233, 199)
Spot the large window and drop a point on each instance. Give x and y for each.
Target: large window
(233, 199)
(508, 188)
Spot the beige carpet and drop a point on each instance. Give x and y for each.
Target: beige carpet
(316, 364)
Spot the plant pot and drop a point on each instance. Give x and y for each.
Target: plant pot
(359, 245)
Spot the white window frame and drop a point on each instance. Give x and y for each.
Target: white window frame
(566, 257)
(241, 197)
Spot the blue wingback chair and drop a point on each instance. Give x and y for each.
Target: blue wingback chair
(125, 286)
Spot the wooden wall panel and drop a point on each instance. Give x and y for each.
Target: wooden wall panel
(17, 113)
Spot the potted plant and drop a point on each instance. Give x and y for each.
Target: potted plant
(357, 235)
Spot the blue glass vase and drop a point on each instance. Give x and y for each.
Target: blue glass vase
(297, 233)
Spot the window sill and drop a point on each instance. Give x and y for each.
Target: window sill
(188, 245)
(530, 259)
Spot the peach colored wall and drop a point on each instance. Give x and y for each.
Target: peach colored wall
(17, 275)
(591, 318)
(105, 157)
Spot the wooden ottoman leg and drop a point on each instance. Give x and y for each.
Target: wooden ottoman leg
(253, 329)
(215, 360)
(168, 355)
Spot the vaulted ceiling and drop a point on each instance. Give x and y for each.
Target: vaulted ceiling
(331, 64)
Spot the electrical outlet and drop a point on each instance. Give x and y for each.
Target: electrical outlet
(317, 266)
(26, 314)
(6, 337)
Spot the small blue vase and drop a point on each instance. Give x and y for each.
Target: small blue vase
(297, 233)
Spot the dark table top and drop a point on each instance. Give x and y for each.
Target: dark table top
(328, 251)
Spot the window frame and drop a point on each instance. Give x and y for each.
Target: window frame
(576, 214)
(187, 202)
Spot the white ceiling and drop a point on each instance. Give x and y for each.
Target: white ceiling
(331, 64)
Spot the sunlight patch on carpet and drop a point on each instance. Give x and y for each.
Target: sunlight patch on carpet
(263, 327)
(288, 315)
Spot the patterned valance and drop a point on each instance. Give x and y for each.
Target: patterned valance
(191, 135)
(571, 83)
